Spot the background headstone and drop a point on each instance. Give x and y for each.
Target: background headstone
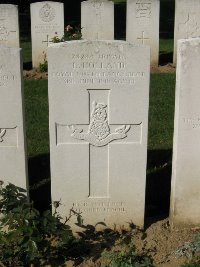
(47, 21)
(12, 145)
(98, 108)
(187, 21)
(143, 25)
(9, 25)
(97, 20)
(185, 197)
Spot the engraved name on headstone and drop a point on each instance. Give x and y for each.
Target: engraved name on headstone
(13, 165)
(47, 21)
(98, 104)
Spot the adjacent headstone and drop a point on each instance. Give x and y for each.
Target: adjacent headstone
(187, 21)
(97, 20)
(12, 145)
(143, 25)
(185, 197)
(47, 21)
(98, 108)
(9, 25)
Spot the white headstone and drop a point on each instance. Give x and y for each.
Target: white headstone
(9, 25)
(12, 145)
(187, 21)
(97, 20)
(185, 197)
(98, 104)
(142, 25)
(47, 21)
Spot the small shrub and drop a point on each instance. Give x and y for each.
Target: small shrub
(43, 67)
(28, 238)
(129, 258)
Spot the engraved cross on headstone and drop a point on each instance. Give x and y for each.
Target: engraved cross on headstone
(47, 41)
(142, 38)
(100, 134)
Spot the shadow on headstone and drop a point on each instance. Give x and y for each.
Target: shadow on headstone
(39, 181)
(158, 185)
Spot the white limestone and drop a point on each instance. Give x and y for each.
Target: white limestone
(185, 197)
(9, 25)
(12, 145)
(97, 20)
(187, 21)
(47, 21)
(142, 25)
(98, 108)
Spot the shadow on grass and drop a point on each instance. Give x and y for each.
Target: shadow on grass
(165, 58)
(158, 185)
(39, 181)
(27, 65)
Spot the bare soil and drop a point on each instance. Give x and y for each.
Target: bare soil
(159, 241)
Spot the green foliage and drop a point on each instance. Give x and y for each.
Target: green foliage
(129, 258)
(43, 67)
(192, 263)
(70, 34)
(26, 236)
(192, 251)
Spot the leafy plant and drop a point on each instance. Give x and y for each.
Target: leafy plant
(71, 33)
(28, 238)
(127, 258)
(43, 67)
(192, 251)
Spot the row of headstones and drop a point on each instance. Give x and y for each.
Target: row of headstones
(97, 20)
(98, 116)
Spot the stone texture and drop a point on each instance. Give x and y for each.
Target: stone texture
(97, 19)
(143, 25)
(187, 21)
(9, 25)
(98, 108)
(185, 197)
(47, 21)
(13, 167)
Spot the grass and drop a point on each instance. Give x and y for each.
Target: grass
(161, 111)
(36, 107)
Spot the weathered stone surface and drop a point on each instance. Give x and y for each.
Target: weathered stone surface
(98, 107)
(12, 145)
(47, 21)
(185, 197)
(9, 25)
(97, 19)
(187, 21)
(143, 25)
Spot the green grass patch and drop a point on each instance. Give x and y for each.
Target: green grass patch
(161, 111)
(37, 122)
(166, 46)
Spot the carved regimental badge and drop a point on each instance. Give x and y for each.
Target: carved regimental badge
(99, 131)
(47, 13)
(2, 133)
(3, 33)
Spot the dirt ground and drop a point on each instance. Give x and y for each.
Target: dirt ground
(158, 241)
